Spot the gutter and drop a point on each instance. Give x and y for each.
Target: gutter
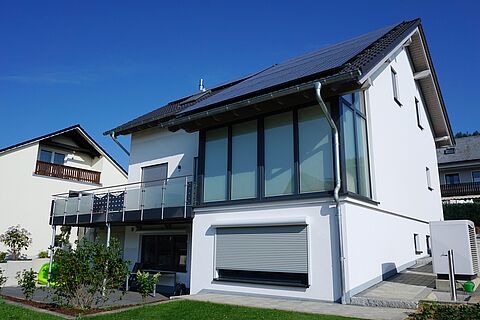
(114, 138)
(338, 184)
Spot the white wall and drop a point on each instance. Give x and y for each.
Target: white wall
(323, 254)
(25, 198)
(156, 146)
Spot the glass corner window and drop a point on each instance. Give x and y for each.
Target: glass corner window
(355, 144)
(244, 160)
(215, 177)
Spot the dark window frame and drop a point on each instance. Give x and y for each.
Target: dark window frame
(429, 178)
(417, 110)
(266, 278)
(174, 267)
(416, 243)
(473, 176)
(453, 174)
(396, 91)
(52, 156)
(343, 165)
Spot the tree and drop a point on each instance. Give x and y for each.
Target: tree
(88, 274)
(63, 239)
(17, 239)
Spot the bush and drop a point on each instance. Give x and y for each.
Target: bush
(146, 283)
(43, 254)
(16, 239)
(465, 211)
(26, 280)
(3, 256)
(435, 311)
(87, 271)
(3, 279)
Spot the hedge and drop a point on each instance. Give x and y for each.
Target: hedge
(466, 211)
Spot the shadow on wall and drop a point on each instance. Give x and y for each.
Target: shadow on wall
(389, 269)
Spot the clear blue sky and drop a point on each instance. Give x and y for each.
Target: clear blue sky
(102, 63)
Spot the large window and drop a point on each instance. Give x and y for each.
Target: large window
(215, 181)
(164, 252)
(315, 150)
(279, 162)
(244, 160)
(355, 144)
(52, 157)
(452, 178)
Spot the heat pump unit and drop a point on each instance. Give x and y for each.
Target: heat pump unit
(459, 236)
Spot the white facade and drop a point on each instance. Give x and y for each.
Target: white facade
(26, 197)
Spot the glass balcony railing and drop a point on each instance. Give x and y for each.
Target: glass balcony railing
(135, 202)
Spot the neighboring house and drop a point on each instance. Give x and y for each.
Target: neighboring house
(240, 188)
(459, 168)
(32, 171)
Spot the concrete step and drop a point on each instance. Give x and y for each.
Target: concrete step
(384, 302)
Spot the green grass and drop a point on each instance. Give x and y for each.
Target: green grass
(176, 310)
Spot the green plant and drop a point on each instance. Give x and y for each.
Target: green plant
(63, 239)
(146, 283)
(3, 279)
(3, 256)
(16, 239)
(43, 254)
(88, 274)
(434, 311)
(26, 280)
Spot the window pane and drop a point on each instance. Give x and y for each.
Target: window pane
(452, 178)
(154, 175)
(59, 158)
(350, 161)
(363, 168)
(244, 160)
(315, 150)
(279, 154)
(45, 156)
(476, 176)
(358, 102)
(215, 180)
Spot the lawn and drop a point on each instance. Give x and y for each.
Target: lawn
(176, 310)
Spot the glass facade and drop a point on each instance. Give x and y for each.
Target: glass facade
(216, 151)
(244, 160)
(315, 151)
(279, 155)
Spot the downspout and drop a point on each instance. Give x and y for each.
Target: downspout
(338, 184)
(112, 135)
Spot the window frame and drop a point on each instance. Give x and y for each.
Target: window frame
(395, 88)
(416, 243)
(429, 178)
(260, 196)
(52, 156)
(473, 176)
(419, 116)
(453, 174)
(343, 163)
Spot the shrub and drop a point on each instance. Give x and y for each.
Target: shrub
(435, 311)
(464, 211)
(62, 240)
(16, 239)
(3, 256)
(146, 283)
(26, 280)
(3, 279)
(87, 271)
(43, 254)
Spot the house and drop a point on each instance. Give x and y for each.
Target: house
(459, 170)
(33, 170)
(289, 181)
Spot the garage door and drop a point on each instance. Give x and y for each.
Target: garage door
(255, 253)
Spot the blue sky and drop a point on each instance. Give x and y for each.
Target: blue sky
(102, 63)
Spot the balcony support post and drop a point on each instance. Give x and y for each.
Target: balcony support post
(52, 251)
(108, 205)
(124, 203)
(78, 206)
(65, 211)
(163, 196)
(185, 198)
(108, 234)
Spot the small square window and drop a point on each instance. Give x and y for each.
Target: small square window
(45, 156)
(416, 241)
(452, 178)
(476, 176)
(395, 87)
(419, 115)
(449, 151)
(429, 178)
(58, 158)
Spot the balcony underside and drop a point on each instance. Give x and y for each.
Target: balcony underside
(148, 216)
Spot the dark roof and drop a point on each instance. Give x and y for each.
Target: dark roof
(74, 128)
(466, 149)
(358, 54)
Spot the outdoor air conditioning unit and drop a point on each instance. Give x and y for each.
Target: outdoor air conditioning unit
(459, 236)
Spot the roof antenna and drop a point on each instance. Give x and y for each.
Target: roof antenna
(201, 85)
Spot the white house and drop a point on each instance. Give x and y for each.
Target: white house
(313, 179)
(32, 171)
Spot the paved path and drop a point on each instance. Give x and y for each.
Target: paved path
(302, 306)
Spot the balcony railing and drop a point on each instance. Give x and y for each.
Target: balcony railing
(460, 189)
(65, 172)
(168, 199)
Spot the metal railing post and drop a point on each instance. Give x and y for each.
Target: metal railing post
(451, 275)
(52, 251)
(142, 201)
(65, 211)
(78, 206)
(163, 196)
(123, 205)
(108, 205)
(185, 198)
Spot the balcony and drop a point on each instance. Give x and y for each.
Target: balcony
(64, 172)
(460, 189)
(146, 202)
